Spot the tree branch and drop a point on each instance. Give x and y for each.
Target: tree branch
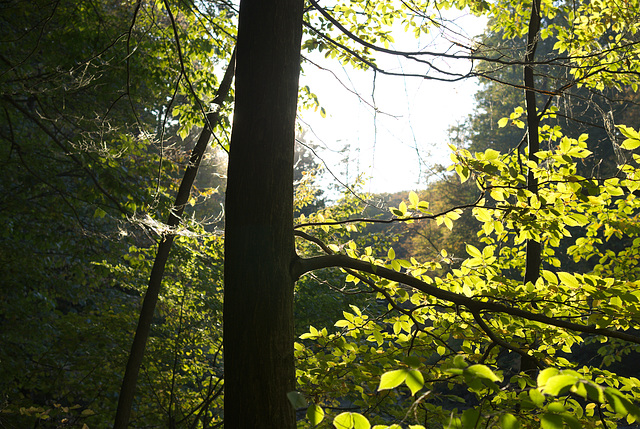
(301, 266)
(395, 219)
(499, 341)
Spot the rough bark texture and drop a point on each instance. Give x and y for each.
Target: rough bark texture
(258, 297)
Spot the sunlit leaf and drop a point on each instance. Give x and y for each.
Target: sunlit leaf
(315, 414)
(351, 421)
(482, 371)
(392, 379)
(414, 380)
(559, 383)
(509, 421)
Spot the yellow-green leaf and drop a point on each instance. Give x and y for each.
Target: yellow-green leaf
(351, 421)
(414, 380)
(315, 414)
(392, 379)
(413, 198)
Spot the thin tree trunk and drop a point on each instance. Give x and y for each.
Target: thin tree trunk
(533, 249)
(533, 259)
(129, 381)
(258, 294)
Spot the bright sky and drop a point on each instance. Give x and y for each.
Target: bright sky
(395, 147)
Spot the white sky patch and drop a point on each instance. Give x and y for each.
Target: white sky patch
(394, 147)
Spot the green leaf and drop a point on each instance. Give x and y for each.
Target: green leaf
(473, 251)
(568, 279)
(412, 361)
(459, 362)
(620, 404)
(413, 198)
(633, 137)
(593, 391)
(491, 154)
(536, 397)
(315, 414)
(351, 421)
(628, 132)
(482, 371)
(414, 380)
(391, 254)
(551, 421)
(448, 223)
(550, 277)
(339, 324)
(509, 421)
(630, 144)
(546, 374)
(470, 418)
(392, 379)
(297, 399)
(571, 421)
(559, 383)
(556, 407)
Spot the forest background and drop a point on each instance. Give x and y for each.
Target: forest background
(503, 295)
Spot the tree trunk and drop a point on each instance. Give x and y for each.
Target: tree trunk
(130, 378)
(534, 250)
(259, 248)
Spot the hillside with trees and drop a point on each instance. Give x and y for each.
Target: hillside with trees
(169, 258)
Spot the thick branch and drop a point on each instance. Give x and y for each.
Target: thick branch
(301, 266)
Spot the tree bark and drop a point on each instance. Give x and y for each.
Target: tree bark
(259, 247)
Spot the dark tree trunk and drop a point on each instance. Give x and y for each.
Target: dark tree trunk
(534, 250)
(259, 248)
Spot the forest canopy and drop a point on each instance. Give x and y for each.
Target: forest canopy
(169, 257)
